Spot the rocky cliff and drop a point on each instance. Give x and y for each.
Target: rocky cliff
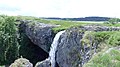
(72, 50)
(39, 33)
(75, 47)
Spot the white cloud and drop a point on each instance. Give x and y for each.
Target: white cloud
(61, 8)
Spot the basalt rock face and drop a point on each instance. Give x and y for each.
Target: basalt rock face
(39, 33)
(45, 63)
(71, 51)
(76, 46)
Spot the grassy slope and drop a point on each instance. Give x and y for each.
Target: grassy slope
(109, 56)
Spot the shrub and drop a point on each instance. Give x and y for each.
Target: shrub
(114, 39)
(111, 38)
(113, 20)
(8, 40)
(101, 36)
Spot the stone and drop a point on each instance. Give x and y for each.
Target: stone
(21, 62)
(71, 51)
(39, 33)
(98, 27)
(45, 63)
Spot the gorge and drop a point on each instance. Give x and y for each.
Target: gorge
(74, 47)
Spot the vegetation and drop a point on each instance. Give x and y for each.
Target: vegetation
(14, 43)
(111, 25)
(113, 21)
(8, 40)
(62, 24)
(82, 19)
(12, 46)
(111, 38)
(107, 58)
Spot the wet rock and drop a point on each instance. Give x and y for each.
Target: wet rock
(71, 51)
(45, 63)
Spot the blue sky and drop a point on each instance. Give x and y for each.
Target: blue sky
(61, 8)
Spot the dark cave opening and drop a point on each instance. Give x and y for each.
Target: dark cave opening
(31, 51)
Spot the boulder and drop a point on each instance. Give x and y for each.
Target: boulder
(21, 62)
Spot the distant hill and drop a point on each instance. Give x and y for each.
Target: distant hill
(82, 19)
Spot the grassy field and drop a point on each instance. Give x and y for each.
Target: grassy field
(64, 24)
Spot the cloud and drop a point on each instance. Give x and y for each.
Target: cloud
(8, 8)
(61, 8)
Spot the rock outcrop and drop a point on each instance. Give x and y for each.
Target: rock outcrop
(39, 33)
(99, 28)
(76, 46)
(45, 63)
(71, 52)
(42, 35)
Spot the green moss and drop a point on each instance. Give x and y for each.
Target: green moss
(86, 38)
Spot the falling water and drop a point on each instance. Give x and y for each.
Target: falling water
(54, 47)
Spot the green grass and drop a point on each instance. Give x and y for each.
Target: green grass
(64, 24)
(111, 38)
(114, 25)
(107, 58)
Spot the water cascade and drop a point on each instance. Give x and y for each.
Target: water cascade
(54, 48)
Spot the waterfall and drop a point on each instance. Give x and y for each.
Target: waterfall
(54, 48)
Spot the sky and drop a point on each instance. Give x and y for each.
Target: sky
(61, 8)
